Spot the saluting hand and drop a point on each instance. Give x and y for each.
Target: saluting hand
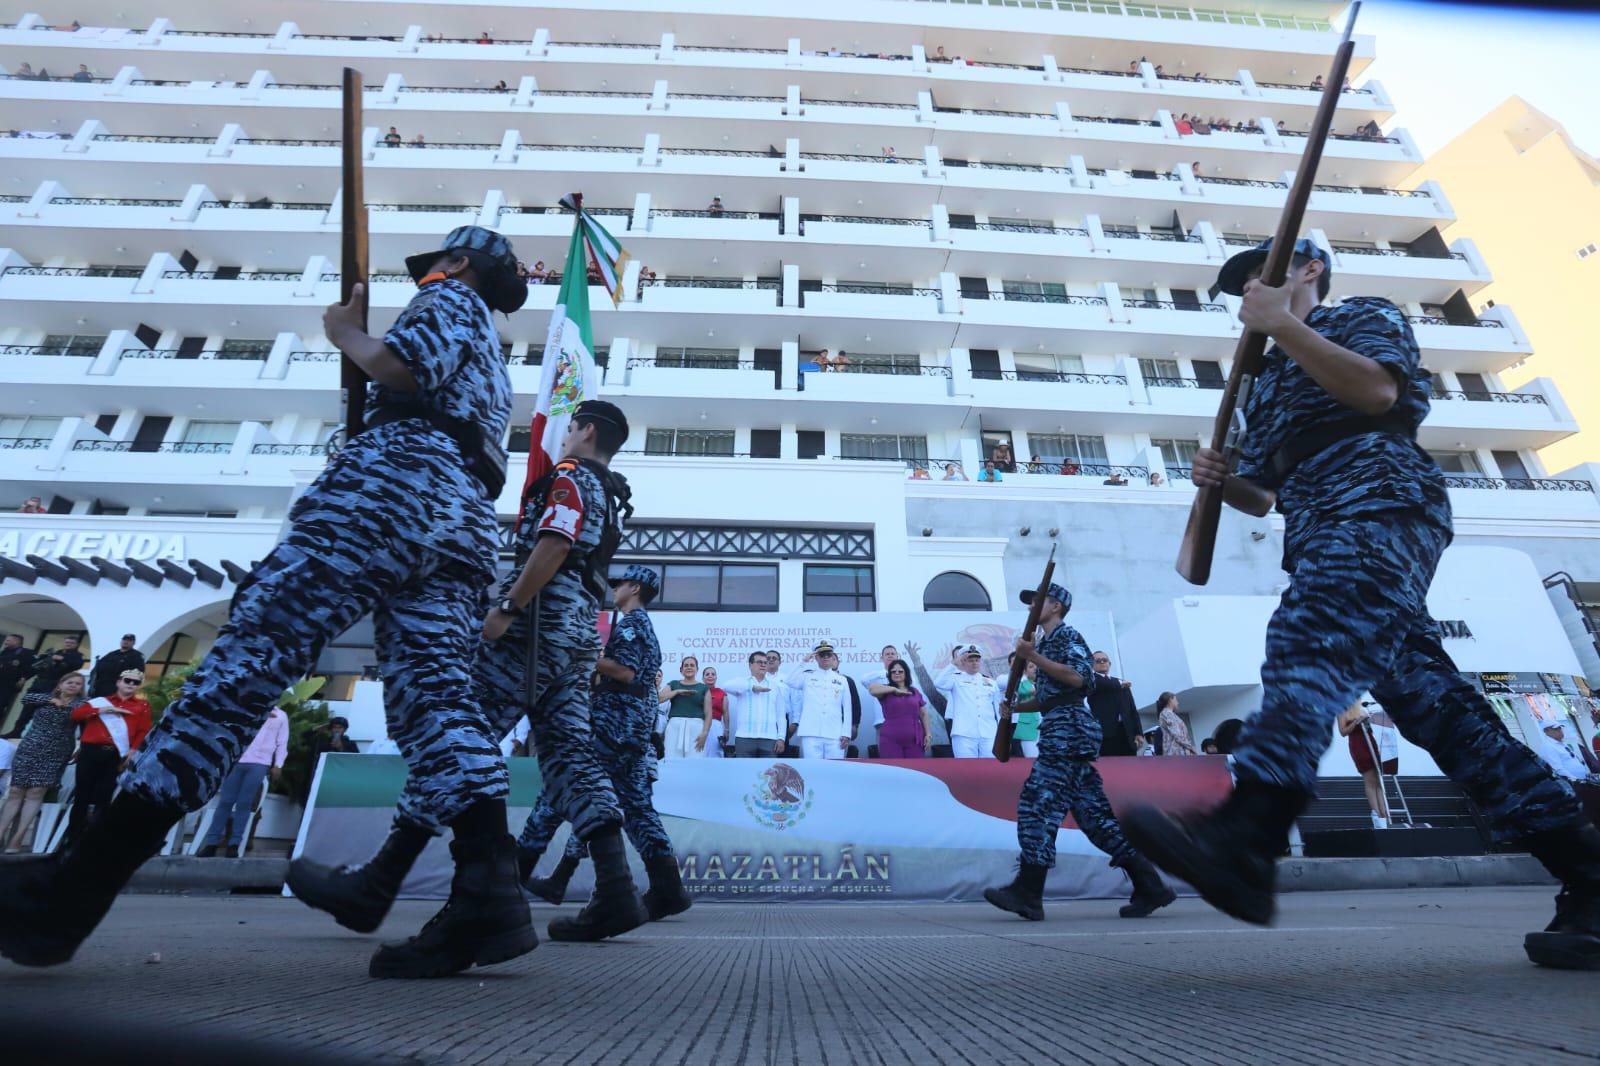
(1209, 469)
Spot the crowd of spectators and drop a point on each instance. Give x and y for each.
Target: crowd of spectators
(1199, 124)
(814, 709)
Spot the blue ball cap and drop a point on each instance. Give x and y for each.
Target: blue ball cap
(1236, 271)
(644, 577)
(492, 256)
(1054, 591)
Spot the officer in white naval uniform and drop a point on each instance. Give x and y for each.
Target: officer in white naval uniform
(972, 704)
(822, 713)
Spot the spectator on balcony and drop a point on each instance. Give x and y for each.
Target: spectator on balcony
(1185, 127)
(392, 139)
(888, 154)
(1003, 458)
(1317, 83)
(83, 74)
(418, 142)
(715, 206)
(841, 362)
(952, 472)
(592, 275)
(1197, 169)
(990, 472)
(647, 277)
(501, 86)
(1133, 65)
(485, 38)
(1069, 468)
(34, 505)
(919, 472)
(1157, 479)
(1201, 126)
(24, 72)
(538, 275)
(1116, 478)
(824, 361)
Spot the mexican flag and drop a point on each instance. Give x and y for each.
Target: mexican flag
(569, 374)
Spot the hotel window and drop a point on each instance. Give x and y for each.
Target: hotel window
(877, 363)
(882, 446)
(1178, 453)
(25, 427)
(710, 586)
(1057, 447)
(1044, 366)
(1160, 371)
(179, 650)
(1035, 291)
(1457, 462)
(699, 358)
(955, 591)
(72, 344)
(207, 438)
(839, 588)
(689, 442)
(244, 349)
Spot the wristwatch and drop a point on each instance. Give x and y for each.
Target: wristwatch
(508, 606)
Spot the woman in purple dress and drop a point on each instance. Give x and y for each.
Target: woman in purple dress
(905, 732)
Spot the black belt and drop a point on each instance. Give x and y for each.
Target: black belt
(1302, 446)
(487, 464)
(615, 687)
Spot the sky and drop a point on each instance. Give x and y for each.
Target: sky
(1445, 65)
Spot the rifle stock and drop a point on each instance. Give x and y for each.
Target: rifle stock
(353, 250)
(1200, 535)
(1003, 734)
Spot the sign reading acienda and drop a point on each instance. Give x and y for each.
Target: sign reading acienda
(84, 544)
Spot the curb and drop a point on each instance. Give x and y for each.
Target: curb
(1459, 871)
(185, 873)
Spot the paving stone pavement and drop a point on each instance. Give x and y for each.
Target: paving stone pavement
(1369, 977)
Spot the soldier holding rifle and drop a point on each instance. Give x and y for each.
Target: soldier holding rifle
(1063, 776)
(1332, 426)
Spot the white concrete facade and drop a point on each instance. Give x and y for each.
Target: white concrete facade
(1013, 234)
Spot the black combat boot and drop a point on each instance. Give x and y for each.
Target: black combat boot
(666, 896)
(615, 906)
(1024, 896)
(50, 905)
(1150, 893)
(207, 851)
(553, 889)
(359, 897)
(1230, 853)
(484, 921)
(1572, 939)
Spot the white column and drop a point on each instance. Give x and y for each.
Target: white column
(941, 223)
(791, 285)
(1210, 240)
(121, 79)
(489, 212)
(85, 136)
(651, 156)
(281, 39)
(152, 36)
(390, 92)
(258, 82)
(540, 45)
(640, 219)
(790, 446)
(223, 146)
(925, 111)
(508, 147)
(1113, 297)
(110, 354)
(277, 364)
(411, 41)
(932, 162)
(159, 264)
(791, 216)
(527, 87)
(791, 155)
(949, 293)
(1247, 84)
(1080, 171)
(791, 101)
(1169, 128)
(47, 191)
(669, 45)
(792, 56)
(658, 97)
(190, 209)
(312, 275)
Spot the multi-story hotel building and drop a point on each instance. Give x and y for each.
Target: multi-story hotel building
(1006, 216)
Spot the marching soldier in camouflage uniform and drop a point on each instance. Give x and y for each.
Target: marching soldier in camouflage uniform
(624, 717)
(1333, 422)
(400, 525)
(1063, 777)
(539, 649)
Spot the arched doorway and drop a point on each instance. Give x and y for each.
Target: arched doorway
(45, 625)
(955, 591)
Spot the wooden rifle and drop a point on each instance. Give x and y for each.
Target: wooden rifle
(1227, 434)
(353, 251)
(1003, 734)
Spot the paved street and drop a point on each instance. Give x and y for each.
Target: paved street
(1433, 975)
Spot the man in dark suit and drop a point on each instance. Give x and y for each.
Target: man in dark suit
(48, 668)
(1111, 700)
(112, 665)
(16, 662)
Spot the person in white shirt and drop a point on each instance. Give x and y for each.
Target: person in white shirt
(516, 742)
(1554, 751)
(822, 724)
(758, 712)
(871, 708)
(972, 704)
(779, 679)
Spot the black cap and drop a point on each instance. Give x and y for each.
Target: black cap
(1236, 271)
(603, 411)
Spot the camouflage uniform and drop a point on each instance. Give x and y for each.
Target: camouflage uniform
(1063, 777)
(397, 527)
(1365, 521)
(623, 722)
(575, 506)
